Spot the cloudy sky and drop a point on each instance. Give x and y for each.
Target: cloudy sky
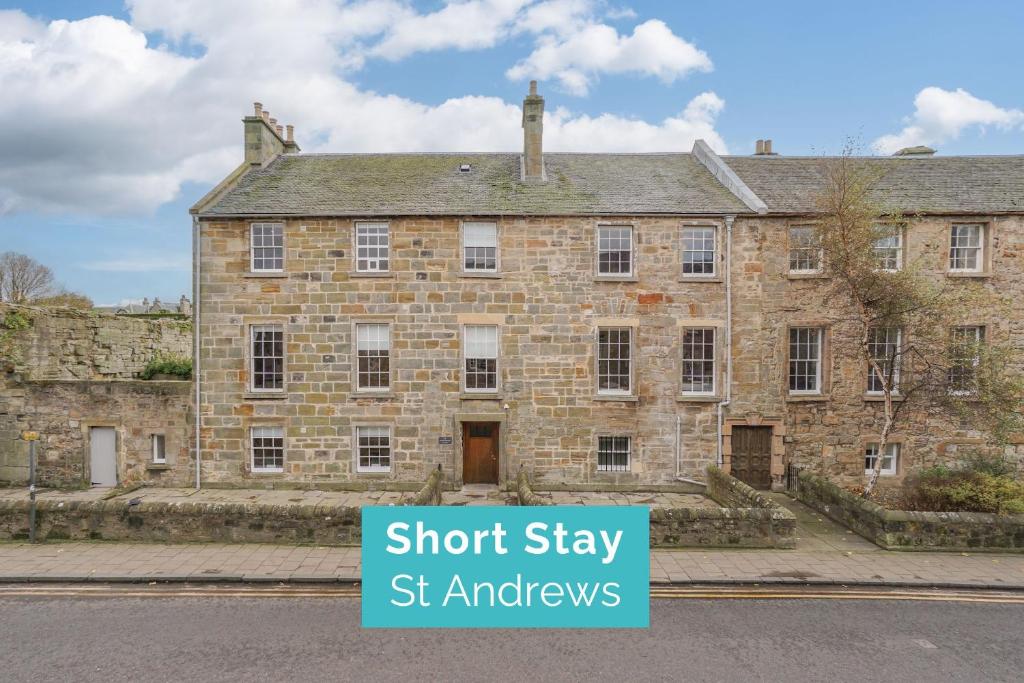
(116, 116)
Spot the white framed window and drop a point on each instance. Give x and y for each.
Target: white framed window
(699, 361)
(613, 453)
(884, 345)
(805, 346)
(266, 247)
(373, 356)
(266, 361)
(700, 251)
(373, 247)
(373, 449)
(615, 360)
(267, 449)
(804, 249)
(890, 459)
(480, 247)
(888, 247)
(615, 250)
(965, 357)
(967, 247)
(158, 448)
(481, 358)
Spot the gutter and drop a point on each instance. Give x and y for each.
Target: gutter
(722, 405)
(196, 261)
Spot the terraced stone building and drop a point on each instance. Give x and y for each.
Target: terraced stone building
(604, 320)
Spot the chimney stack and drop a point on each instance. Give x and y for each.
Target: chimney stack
(533, 135)
(264, 138)
(763, 148)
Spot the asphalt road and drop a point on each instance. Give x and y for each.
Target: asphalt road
(313, 639)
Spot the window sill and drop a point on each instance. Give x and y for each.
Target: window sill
(484, 275)
(805, 276)
(968, 273)
(376, 474)
(697, 278)
(480, 396)
(157, 466)
(807, 398)
(268, 274)
(881, 397)
(373, 275)
(265, 396)
(697, 398)
(355, 395)
(617, 398)
(264, 473)
(615, 278)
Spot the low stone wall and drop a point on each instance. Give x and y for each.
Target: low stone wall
(525, 490)
(908, 530)
(730, 492)
(430, 494)
(183, 522)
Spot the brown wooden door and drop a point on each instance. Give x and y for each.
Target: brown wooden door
(480, 452)
(752, 456)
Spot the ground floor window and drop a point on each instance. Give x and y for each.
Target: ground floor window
(613, 453)
(159, 448)
(267, 449)
(890, 460)
(373, 445)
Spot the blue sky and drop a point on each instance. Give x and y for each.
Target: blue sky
(114, 127)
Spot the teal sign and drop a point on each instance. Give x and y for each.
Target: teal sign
(506, 567)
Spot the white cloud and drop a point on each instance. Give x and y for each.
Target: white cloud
(97, 119)
(942, 115)
(576, 60)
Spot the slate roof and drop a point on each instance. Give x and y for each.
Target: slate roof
(431, 184)
(968, 184)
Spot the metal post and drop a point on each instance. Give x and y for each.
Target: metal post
(31, 437)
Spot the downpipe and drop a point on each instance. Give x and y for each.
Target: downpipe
(722, 405)
(196, 265)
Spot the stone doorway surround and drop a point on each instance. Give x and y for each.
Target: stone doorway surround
(778, 425)
(457, 453)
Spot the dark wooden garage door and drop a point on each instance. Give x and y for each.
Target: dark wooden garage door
(752, 456)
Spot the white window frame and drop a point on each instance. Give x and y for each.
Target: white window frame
(631, 359)
(274, 327)
(896, 370)
(468, 226)
(714, 252)
(897, 232)
(615, 449)
(632, 251)
(466, 358)
(818, 375)
(789, 254)
(253, 247)
(980, 262)
(158, 448)
(979, 333)
(356, 364)
(357, 434)
(892, 455)
(373, 264)
(266, 432)
(713, 359)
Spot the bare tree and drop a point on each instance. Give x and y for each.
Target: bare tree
(906, 320)
(23, 279)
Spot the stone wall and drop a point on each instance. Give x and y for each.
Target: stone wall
(81, 345)
(722, 528)
(430, 494)
(907, 530)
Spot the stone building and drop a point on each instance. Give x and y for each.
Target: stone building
(605, 320)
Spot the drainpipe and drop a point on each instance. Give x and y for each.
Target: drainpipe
(196, 261)
(728, 335)
(679, 445)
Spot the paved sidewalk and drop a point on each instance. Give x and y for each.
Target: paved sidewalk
(252, 562)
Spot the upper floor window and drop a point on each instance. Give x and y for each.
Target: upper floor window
(699, 249)
(805, 345)
(266, 249)
(373, 449)
(884, 348)
(615, 250)
(890, 459)
(966, 247)
(613, 453)
(373, 357)
(267, 358)
(804, 249)
(481, 358)
(480, 247)
(614, 360)
(373, 247)
(158, 446)
(965, 357)
(267, 449)
(699, 360)
(888, 248)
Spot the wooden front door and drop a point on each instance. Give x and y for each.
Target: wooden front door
(752, 456)
(480, 452)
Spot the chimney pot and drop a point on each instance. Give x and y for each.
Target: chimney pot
(258, 108)
(265, 114)
(291, 132)
(759, 147)
(273, 122)
(533, 87)
(533, 135)
(767, 146)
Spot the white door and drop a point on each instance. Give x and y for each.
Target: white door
(103, 456)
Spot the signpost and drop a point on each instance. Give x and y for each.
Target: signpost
(32, 438)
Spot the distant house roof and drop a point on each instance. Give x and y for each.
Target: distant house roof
(433, 184)
(969, 184)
